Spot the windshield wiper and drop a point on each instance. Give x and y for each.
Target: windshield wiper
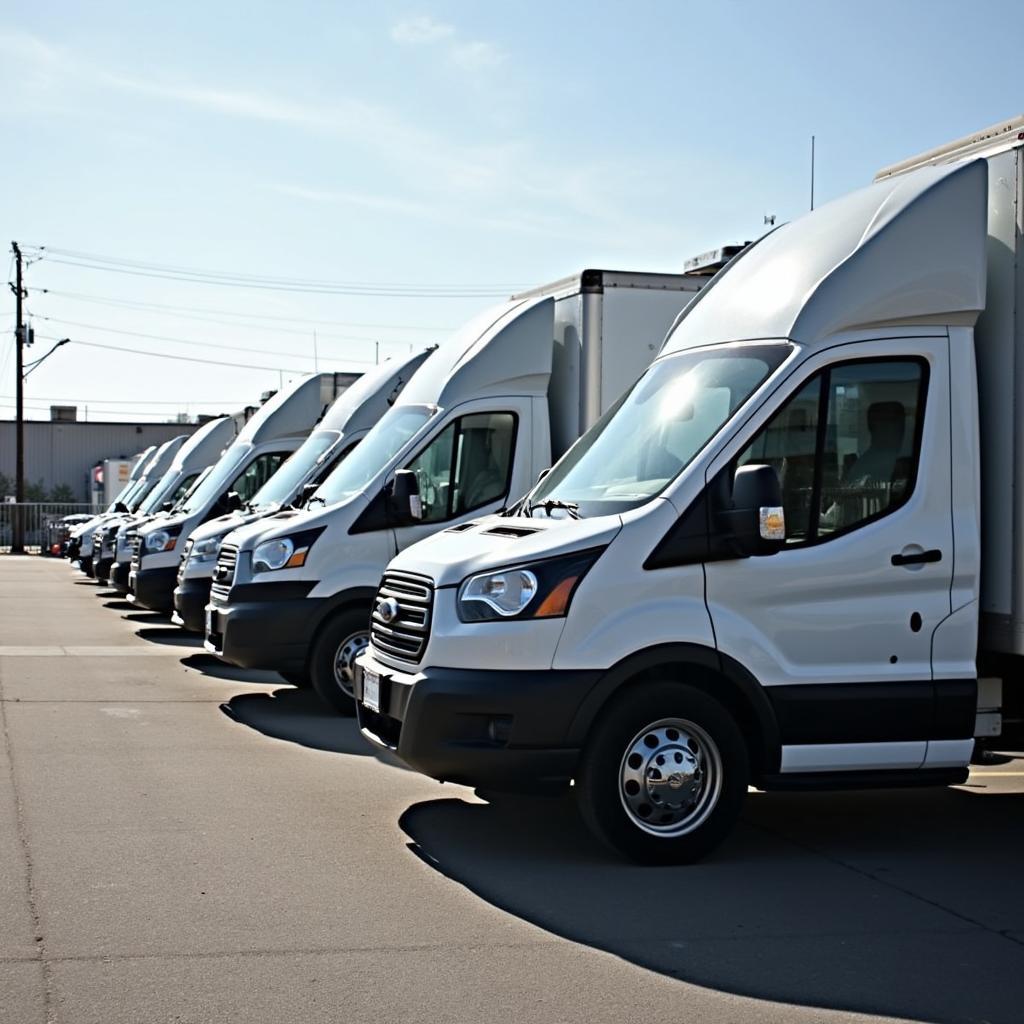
(316, 497)
(552, 503)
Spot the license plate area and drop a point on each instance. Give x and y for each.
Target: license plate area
(371, 690)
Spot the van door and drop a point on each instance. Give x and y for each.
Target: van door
(838, 625)
(472, 466)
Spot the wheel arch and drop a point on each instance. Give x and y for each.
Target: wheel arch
(716, 674)
(338, 604)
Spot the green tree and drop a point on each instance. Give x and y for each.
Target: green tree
(62, 493)
(35, 492)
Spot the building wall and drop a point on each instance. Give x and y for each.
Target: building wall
(64, 453)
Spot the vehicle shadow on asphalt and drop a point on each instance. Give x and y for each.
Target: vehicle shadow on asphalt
(173, 635)
(210, 665)
(905, 904)
(118, 604)
(299, 716)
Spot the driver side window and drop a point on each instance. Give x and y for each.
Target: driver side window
(467, 466)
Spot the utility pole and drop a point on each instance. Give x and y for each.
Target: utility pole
(812, 172)
(18, 538)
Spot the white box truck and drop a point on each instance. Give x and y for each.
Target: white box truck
(769, 564)
(271, 434)
(109, 479)
(343, 426)
(475, 425)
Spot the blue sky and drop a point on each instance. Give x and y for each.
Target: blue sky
(475, 148)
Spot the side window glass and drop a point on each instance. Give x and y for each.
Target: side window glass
(869, 458)
(788, 443)
(483, 459)
(466, 466)
(257, 473)
(433, 469)
(862, 464)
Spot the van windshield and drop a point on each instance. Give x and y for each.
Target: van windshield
(225, 470)
(657, 428)
(387, 438)
(282, 485)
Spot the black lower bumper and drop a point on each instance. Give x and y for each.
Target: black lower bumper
(101, 569)
(498, 730)
(119, 575)
(154, 588)
(268, 633)
(191, 597)
(85, 564)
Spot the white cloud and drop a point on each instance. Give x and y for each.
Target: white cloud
(420, 31)
(472, 55)
(476, 56)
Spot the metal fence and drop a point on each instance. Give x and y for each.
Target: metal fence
(40, 523)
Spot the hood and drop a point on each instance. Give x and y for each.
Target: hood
(168, 522)
(905, 251)
(450, 556)
(223, 525)
(284, 522)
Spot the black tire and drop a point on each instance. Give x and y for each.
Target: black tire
(646, 815)
(347, 632)
(299, 678)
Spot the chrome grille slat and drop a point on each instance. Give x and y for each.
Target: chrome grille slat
(405, 636)
(224, 570)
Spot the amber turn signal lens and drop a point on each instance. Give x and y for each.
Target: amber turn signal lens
(297, 559)
(558, 600)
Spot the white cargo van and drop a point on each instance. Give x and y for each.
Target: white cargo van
(472, 429)
(196, 455)
(272, 433)
(151, 474)
(343, 426)
(81, 534)
(768, 564)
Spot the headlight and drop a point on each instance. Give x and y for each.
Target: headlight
(161, 540)
(284, 552)
(536, 590)
(205, 550)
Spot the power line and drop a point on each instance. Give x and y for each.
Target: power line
(189, 341)
(181, 311)
(133, 401)
(139, 268)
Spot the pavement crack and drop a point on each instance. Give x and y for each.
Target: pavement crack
(31, 893)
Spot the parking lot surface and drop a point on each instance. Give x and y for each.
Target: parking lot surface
(182, 841)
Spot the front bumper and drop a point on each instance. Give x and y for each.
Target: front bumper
(268, 633)
(119, 575)
(501, 730)
(154, 588)
(191, 597)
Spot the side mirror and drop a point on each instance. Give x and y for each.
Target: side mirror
(167, 506)
(756, 522)
(307, 492)
(404, 504)
(232, 501)
(120, 506)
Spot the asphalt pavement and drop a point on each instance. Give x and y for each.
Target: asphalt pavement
(181, 841)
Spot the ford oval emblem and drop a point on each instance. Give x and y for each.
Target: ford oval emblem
(388, 609)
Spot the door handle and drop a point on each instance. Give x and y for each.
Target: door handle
(918, 557)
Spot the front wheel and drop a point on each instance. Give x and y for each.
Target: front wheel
(333, 659)
(664, 773)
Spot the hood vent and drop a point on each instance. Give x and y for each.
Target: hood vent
(461, 528)
(514, 532)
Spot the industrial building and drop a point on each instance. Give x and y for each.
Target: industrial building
(60, 453)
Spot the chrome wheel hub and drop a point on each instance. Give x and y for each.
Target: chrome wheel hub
(670, 777)
(345, 659)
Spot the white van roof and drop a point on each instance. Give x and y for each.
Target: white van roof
(906, 250)
(506, 350)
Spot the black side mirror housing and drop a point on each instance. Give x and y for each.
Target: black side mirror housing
(232, 501)
(166, 506)
(307, 492)
(404, 505)
(120, 506)
(755, 523)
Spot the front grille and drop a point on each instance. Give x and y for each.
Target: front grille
(186, 551)
(136, 552)
(402, 628)
(224, 570)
